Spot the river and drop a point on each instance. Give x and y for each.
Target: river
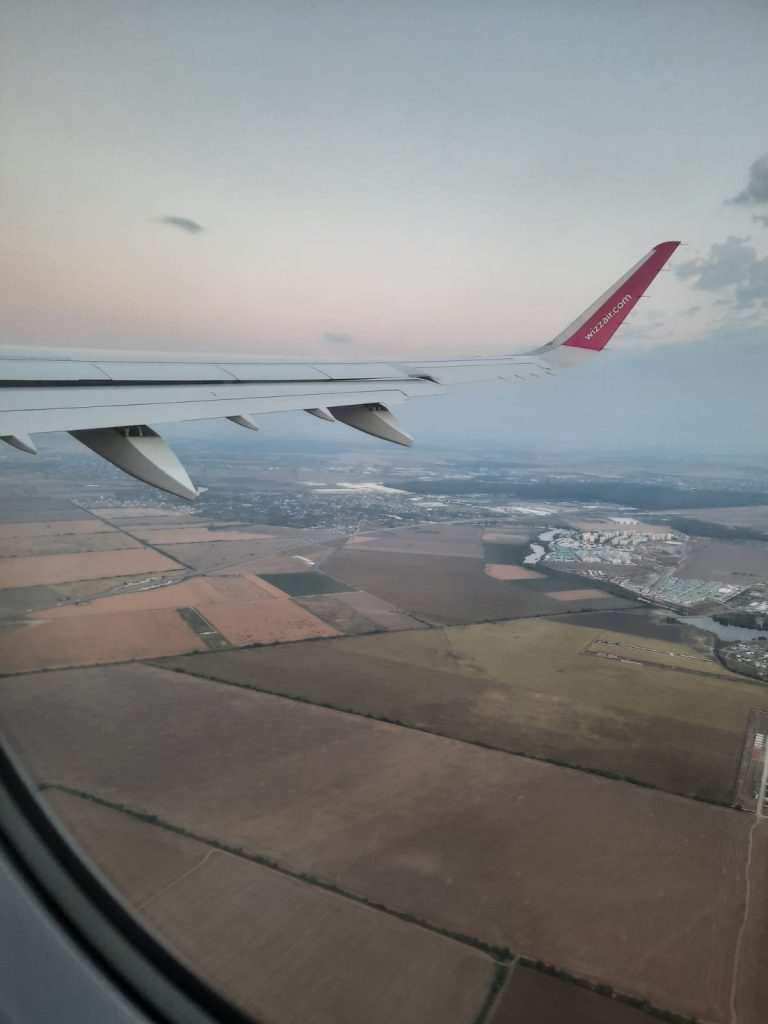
(727, 633)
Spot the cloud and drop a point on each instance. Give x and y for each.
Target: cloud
(756, 191)
(761, 219)
(338, 338)
(183, 223)
(732, 267)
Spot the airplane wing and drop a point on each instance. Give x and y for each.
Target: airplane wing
(106, 399)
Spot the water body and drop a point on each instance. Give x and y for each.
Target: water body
(535, 556)
(728, 633)
(537, 551)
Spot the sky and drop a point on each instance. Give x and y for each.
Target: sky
(367, 180)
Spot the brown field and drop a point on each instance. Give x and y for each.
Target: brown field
(497, 536)
(578, 595)
(440, 589)
(280, 948)
(64, 543)
(265, 622)
(166, 523)
(31, 511)
(53, 529)
(637, 624)
(218, 554)
(357, 612)
(385, 615)
(751, 989)
(94, 640)
(526, 686)
(511, 572)
(48, 569)
(139, 859)
(646, 893)
(338, 614)
(727, 562)
(194, 535)
(455, 541)
(530, 997)
(189, 593)
(138, 512)
(754, 517)
(279, 561)
(79, 590)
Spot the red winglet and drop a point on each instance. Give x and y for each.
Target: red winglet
(598, 325)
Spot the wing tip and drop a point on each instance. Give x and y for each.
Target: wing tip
(596, 328)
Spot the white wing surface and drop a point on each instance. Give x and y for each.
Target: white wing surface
(106, 399)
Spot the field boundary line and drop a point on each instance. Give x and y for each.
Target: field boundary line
(495, 989)
(744, 922)
(185, 874)
(652, 650)
(144, 543)
(501, 956)
(658, 665)
(556, 763)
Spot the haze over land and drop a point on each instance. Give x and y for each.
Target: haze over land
(426, 717)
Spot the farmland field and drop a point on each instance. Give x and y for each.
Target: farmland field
(28, 571)
(751, 978)
(217, 554)
(528, 686)
(753, 517)
(191, 592)
(94, 640)
(500, 553)
(727, 562)
(511, 572)
(280, 948)
(364, 827)
(304, 584)
(265, 622)
(65, 543)
(443, 590)
(53, 529)
(579, 595)
(534, 998)
(383, 614)
(193, 534)
(338, 614)
(456, 541)
(646, 894)
(26, 512)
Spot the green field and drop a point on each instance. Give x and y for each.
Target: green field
(529, 686)
(498, 553)
(305, 584)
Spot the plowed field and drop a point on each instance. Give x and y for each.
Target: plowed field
(282, 949)
(646, 894)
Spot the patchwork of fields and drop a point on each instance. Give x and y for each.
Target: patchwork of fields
(460, 778)
(528, 686)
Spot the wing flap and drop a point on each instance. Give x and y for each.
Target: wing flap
(104, 397)
(38, 410)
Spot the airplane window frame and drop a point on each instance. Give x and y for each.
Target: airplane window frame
(90, 916)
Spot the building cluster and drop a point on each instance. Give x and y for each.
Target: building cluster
(612, 546)
(676, 591)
